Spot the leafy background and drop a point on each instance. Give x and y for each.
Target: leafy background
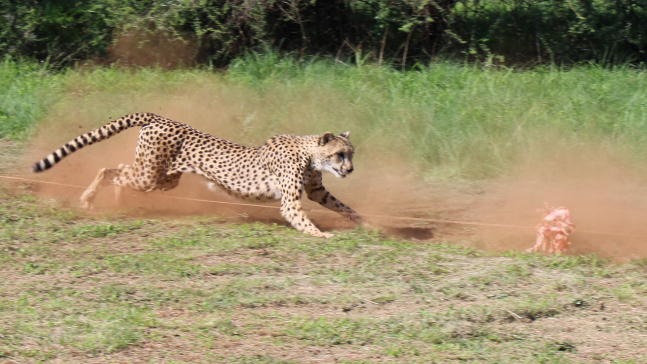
(217, 31)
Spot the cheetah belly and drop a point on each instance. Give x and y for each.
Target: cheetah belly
(262, 186)
(269, 190)
(234, 168)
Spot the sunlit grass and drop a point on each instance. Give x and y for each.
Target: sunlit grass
(82, 287)
(86, 286)
(27, 90)
(451, 121)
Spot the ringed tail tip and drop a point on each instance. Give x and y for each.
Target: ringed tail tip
(38, 167)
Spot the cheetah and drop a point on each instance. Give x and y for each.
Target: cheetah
(281, 169)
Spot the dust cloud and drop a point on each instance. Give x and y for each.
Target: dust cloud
(607, 199)
(374, 188)
(153, 48)
(602, 194)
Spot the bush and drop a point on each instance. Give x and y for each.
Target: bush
(217, 31)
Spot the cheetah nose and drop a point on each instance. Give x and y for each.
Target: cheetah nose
(350, 170)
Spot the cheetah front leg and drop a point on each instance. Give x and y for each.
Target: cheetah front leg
(291, 192)
(318, 193)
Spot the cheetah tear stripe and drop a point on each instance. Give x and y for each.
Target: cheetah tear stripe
(95, 136)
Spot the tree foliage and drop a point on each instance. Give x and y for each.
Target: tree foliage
(64, 31)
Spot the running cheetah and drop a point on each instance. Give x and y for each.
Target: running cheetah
(281, 169)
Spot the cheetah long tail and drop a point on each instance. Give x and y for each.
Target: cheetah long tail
(95, 136)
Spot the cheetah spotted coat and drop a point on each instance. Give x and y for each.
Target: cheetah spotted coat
(281, 169)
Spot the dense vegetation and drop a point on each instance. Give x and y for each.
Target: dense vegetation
(217, 31)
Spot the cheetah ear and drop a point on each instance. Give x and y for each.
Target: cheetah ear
(345, 135)
(326, 138)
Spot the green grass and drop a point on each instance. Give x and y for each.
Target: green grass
(27, 91)
(117, 289)
(454, 122)
(253, 293)
(466, 121)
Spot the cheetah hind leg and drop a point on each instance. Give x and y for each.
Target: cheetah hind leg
(168, 181)
(118, 187)
(103, 178)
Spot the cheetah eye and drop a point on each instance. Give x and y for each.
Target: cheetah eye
(340, 155)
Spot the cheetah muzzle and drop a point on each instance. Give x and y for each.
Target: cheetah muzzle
(281, 169)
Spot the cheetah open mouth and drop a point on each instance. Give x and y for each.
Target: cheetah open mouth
(339, 174)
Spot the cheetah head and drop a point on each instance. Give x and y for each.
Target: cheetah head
(334, 154)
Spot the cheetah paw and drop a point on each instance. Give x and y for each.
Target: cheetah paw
(86, 205)
(369, 226)
(321, 234)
